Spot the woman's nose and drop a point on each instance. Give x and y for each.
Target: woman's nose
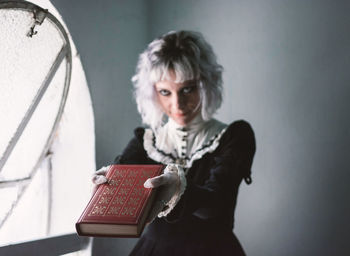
(179, 102)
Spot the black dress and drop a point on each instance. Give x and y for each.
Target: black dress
(202, 221)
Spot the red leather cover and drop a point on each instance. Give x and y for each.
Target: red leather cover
(123, 198)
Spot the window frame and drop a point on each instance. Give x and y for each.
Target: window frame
(54, 245)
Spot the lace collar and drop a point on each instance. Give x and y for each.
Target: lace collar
(183, 145)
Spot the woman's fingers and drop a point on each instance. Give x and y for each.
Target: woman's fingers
(158, 205)
(103, 170)
(99, 176)
(99, 179)
(166, 178)
(155, 182)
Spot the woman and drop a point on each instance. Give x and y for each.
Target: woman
(178, 88)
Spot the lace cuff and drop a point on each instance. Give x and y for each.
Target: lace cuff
(181, 189)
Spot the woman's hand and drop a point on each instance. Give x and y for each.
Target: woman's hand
(169, 184)
(99, 177)
(169, 177)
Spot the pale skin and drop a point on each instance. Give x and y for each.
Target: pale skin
(179, 101)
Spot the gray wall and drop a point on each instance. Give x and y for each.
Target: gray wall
(109, 36)
(286, 66)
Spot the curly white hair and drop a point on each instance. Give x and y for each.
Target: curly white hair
(190, 57)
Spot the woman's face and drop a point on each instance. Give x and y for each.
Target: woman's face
(179, 101)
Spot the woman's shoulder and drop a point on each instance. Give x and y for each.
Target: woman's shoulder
(134, 152)
(239, 132)
(137, 139)
(139, 132)
(240, 127)
(238, 144)
(234, 125)
(239, 124)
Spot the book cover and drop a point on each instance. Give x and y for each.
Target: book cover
(120, 207)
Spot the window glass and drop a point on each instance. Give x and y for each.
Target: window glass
(47, 134)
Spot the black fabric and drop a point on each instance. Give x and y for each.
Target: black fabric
(202, 221)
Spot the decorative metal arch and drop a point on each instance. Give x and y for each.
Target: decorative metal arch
(39, 15)
(65, 52)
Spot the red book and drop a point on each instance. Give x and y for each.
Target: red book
(120, 207)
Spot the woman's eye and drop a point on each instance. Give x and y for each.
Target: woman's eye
(164, 92)
(188, 89)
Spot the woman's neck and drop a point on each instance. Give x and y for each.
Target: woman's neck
(193, 125)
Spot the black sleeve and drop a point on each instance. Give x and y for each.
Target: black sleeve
(232, 163)
(134, 152)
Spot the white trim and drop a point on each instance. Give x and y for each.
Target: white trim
(164, 157)
(177, 196)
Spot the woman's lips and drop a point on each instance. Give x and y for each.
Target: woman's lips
(180, 114)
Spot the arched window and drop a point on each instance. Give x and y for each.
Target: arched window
(46, 125)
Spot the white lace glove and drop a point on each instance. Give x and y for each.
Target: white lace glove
(99, 177)
(171, 185)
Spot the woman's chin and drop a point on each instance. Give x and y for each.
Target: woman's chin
(182, 120)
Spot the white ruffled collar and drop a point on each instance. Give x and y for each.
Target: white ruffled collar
(173, 143)
(195, 125)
